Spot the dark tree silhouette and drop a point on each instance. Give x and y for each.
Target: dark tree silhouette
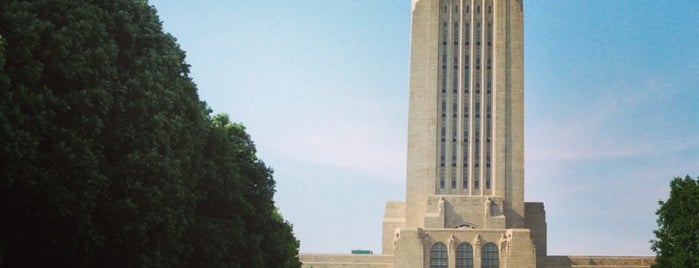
(109, 158)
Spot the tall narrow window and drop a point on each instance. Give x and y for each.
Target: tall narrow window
(438, 256)
(465, 179)
(467, 35)
(453, 164)
(466, 64)
(466, 113)
(444, 105)
(487, 178)
(455, 79)
(444, 49)
(490, 256)
(478, 109)
(453, 151)
(478, 34)
(456, 33)
(464, 256)
(442, 149)
(441, 177)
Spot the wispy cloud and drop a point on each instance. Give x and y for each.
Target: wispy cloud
(357, 134)
(624, 121)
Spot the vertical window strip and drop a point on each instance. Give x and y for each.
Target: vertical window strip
(466, 98)
(465, 167)
(443, 106)
(489, 99)
(455, 96)
(477, 97)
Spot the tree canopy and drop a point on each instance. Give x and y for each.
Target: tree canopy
(109, 158)
(677, 236)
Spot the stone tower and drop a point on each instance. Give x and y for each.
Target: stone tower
(465, 177)
(465, 135)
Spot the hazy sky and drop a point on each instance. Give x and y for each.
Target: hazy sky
(611, 109)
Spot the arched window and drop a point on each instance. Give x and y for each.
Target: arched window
(490, 256)
(464, 256)
(438, 256)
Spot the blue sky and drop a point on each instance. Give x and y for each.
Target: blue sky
(611, 109)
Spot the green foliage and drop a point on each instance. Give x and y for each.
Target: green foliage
(677, 237)
(237, 190)
(109, 158)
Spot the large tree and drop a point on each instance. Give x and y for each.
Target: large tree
(109, 158)
(677, 236)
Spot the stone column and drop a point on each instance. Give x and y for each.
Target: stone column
(477, 251)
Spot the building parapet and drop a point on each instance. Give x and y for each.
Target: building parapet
(597, 262)
(346, 261)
